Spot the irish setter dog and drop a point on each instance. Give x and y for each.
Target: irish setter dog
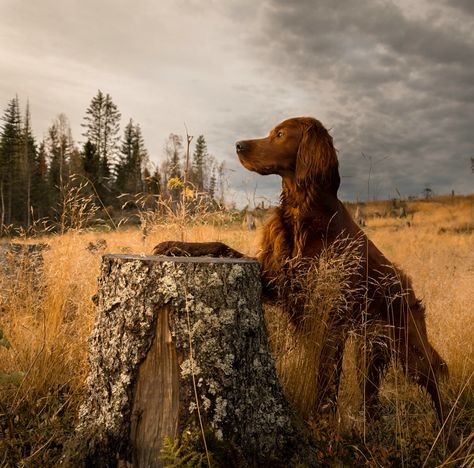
(309, 218)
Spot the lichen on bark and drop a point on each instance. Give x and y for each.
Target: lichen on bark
(216, 306)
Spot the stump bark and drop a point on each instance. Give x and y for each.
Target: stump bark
(180, 346)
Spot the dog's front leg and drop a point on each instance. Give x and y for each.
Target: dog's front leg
(196, 249)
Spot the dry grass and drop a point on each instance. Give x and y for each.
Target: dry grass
(442, 269)
(48, 331)
(441, 264)
(321, 289)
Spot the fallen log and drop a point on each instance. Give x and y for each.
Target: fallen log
(179, 352)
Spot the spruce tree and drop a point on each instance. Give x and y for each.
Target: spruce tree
(55, 173)
(102, 126)
(123, 167)
(10, 163)
(212, 183)
(76, 166)
(28, 164)
(91, 162)
(40, 193)
(199, 162)
(140, 159)
(132, 161)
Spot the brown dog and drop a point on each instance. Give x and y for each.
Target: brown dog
(310, 217)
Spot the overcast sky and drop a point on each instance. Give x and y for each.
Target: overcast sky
(394, 80)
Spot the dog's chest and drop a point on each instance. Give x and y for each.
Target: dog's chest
(306, 234)
(299, 233)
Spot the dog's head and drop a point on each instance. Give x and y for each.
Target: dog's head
(299, 148)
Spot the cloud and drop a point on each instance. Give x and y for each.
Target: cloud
(401, 87)
(466, 6)
(392, 80)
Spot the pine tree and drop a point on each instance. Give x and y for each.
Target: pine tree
(10, 163)
(199, 162)
(53, 156)
(28, 163)
(40, 193)
(140, 159)
(125, 159)
(76, 166)
(102, 126)
(132, 162)
(212, 184)
(91, 162)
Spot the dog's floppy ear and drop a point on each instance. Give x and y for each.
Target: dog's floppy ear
(316, 160)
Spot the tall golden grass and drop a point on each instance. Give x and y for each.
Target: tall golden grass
(321, 291)
(48, 329)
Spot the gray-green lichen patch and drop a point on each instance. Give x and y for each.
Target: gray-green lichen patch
(217, 308)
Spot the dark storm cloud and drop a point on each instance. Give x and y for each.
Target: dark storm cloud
(466, 6)
(402, 86)
(393, 80)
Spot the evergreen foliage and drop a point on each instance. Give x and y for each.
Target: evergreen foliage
(212, 183)
(102, 127)
(132, 162)
(27, 165)
(10, 163)
(35, 178)
(199, 162)
(40, 193)
(91, 162)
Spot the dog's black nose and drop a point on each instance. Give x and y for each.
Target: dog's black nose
(242, 146)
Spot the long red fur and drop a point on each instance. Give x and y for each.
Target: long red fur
(310, 218)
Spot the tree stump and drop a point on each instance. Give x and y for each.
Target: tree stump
(180, 345)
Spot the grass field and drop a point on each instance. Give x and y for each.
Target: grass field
(48, 331)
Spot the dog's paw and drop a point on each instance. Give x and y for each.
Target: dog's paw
(170, 249)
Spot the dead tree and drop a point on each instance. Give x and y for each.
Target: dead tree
(180, 346)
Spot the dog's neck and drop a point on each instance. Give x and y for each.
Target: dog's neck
(304, 209)
(301, 201)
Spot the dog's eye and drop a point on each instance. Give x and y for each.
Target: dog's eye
(279, 134)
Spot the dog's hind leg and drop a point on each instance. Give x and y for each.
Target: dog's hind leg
(329, 373)
(372, 358)
(424, 365)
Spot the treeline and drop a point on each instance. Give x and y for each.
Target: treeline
(35, 176)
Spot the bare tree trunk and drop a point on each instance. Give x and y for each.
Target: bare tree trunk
(180, 347)
(189, 139)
